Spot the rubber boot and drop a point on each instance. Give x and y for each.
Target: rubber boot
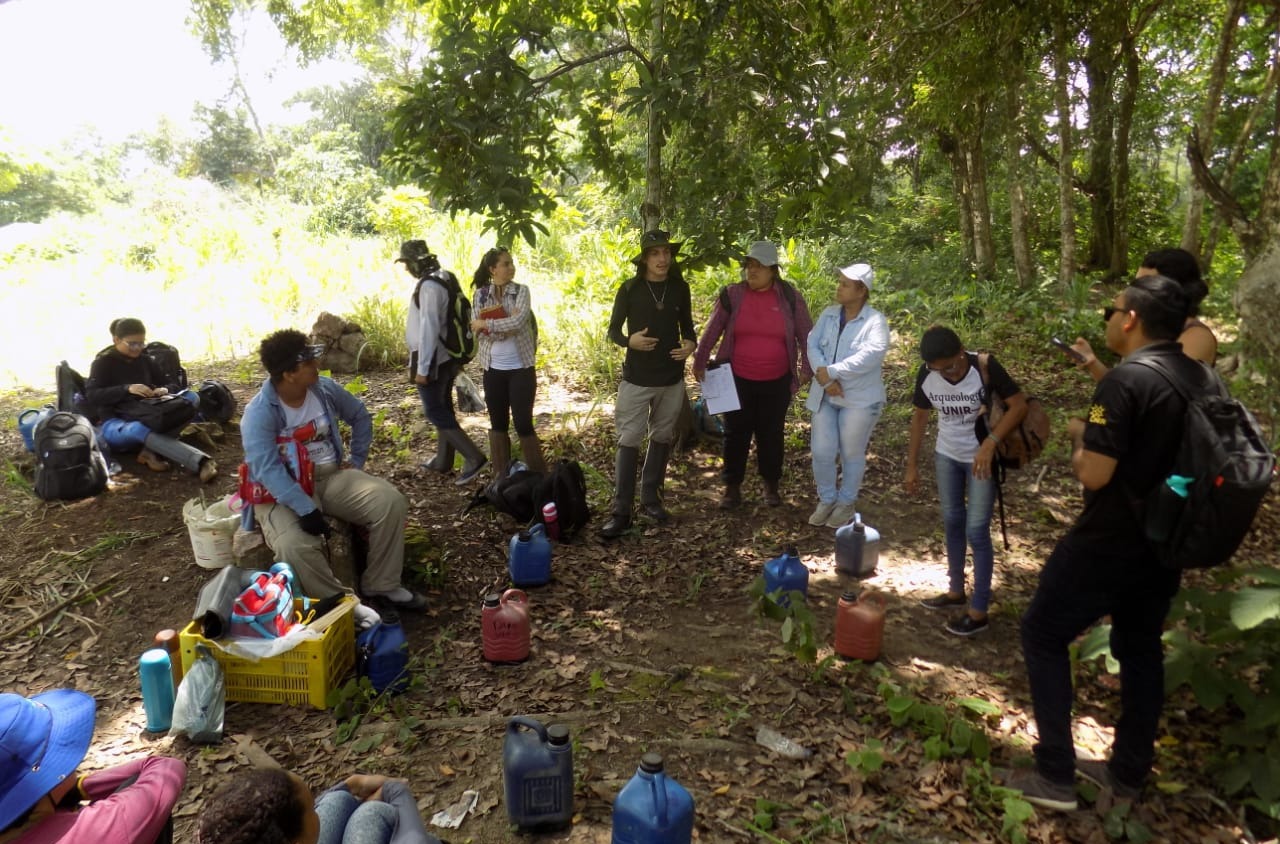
(651, 478)
(732, 498)
(188, 457)
(500, 453)
(771, 495)
(531, 451)
(442, 460)
(624, 495)
(473, 459)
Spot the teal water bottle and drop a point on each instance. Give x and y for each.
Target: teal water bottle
(156, 675)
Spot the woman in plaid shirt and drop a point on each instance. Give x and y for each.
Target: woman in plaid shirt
(508, 341)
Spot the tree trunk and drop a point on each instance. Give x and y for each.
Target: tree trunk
(984, 250)
(950, 147)
(1191, 225)
(651, 208)
(1066, 152)
(1100, 62)
(1119, 263)
(1021, 244)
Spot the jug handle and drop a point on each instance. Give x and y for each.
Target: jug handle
(660, 796)
(515, 595)
(532, 723)
(24, 414)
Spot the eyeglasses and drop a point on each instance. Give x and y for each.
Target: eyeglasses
(135, 344)
(309, 353)
(951, 368)
(1108, 312)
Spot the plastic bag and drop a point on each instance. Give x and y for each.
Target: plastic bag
(201, 701)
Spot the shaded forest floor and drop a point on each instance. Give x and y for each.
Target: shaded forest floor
(649, 643)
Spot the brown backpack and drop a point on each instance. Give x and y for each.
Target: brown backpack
(1024, 443)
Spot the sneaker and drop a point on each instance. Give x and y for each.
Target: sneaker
(398, 599)
(821, 513)
(946, 599)
(153, 461)
(966, 625)
(842, 515)
(208, 470)
(470, 473)
(1098, 772)
(1039, 791)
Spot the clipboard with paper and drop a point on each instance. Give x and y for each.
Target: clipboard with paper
(719, 390)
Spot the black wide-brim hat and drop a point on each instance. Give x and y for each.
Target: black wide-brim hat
(657, 237)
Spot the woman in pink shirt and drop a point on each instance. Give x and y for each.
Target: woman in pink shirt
(43, 739)
(762, 325)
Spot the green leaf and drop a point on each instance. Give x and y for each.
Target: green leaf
(1252, 606)
(977, 705)
(788, 628)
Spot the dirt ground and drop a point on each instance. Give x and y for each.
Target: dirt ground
(649, 643)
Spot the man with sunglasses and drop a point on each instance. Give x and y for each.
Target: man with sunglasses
(293, 448)
(1104, 565)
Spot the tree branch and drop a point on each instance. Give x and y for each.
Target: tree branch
(1045, 154)
(1228, 206)
(577, 63)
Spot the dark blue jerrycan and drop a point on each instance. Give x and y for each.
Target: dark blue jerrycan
(787, 573)
(529, 559)
(537, 772)
(27, 422)
(652, 808)
(382, 655)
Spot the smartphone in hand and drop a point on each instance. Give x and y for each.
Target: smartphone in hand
(1069, 349)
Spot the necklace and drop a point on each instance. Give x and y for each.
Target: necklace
(657, 303)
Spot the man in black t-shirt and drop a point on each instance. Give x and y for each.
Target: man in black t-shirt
(659, 336)
(1104, 565)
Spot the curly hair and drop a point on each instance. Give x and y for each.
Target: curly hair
(279, 352)
(259, 806)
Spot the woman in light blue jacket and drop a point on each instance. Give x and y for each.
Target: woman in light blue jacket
(846, 350)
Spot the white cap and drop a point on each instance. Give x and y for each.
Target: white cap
(764, 252)
(859, 272)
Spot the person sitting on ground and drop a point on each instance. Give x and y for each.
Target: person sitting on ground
(140, 412)
(950, 381)
(274, 806)
(293, 449)
(43, 740)
(1197, 339)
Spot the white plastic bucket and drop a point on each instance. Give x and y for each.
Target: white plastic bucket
(211, 529)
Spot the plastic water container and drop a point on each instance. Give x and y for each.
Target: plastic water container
(537, 774)
(857, 548)
(652, 808)
(156, 676)
(860, 626)
(504, 626)
(787, 573)
(529, 559)
(27, 422)
(211, 530)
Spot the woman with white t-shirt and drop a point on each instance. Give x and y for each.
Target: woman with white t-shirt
(950, 382)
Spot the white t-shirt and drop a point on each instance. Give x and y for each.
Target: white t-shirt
(310, 425)
(958, 404)
(505, 354)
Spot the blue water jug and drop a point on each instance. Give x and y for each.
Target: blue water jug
(156, 676)
(652, 808)
(529, 560)
(787, 573)
(382, 655)
(537, 772)
(27, 422)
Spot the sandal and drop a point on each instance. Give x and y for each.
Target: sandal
(153, 461)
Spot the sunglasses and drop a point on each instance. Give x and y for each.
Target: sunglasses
(1108, 312)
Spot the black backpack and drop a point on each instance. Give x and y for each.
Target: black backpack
(517, 494)
(459, 340)
(1198, 516)
(567, 487)
(166, 364)
(70, 385)
(69, 464)
(216, 402)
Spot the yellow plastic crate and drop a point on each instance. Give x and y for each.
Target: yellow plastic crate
(301, 676)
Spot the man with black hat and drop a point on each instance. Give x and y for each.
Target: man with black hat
(294, 452)
(431, 366)
(659, 336)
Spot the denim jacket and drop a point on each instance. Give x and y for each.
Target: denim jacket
(853, 357)
(264, 419)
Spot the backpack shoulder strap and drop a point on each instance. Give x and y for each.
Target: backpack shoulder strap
(725, 304)
(788, 293)
(984, 367)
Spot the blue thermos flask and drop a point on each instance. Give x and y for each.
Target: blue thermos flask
(156, 675)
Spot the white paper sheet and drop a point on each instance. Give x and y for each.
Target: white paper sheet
(719, 390)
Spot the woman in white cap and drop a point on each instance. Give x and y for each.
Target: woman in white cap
(846, 350)
(43, 739)
(765, 324)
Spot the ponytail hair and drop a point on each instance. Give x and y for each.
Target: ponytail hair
(484, 273)
(126, 327)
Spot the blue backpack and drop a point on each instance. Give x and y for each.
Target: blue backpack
(382, 655)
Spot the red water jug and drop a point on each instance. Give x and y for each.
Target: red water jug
(860, 626)
(505, 626)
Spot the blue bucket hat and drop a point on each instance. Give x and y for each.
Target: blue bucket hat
(43, 739)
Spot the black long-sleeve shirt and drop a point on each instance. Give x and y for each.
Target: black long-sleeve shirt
(113, 373)
(636, 305)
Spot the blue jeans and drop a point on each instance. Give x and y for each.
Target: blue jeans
(437, 397)
(344, 819)
(969, 525)
(841, 432)
(129, 435)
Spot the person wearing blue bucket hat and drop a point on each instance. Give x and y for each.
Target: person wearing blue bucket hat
(43, 740)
